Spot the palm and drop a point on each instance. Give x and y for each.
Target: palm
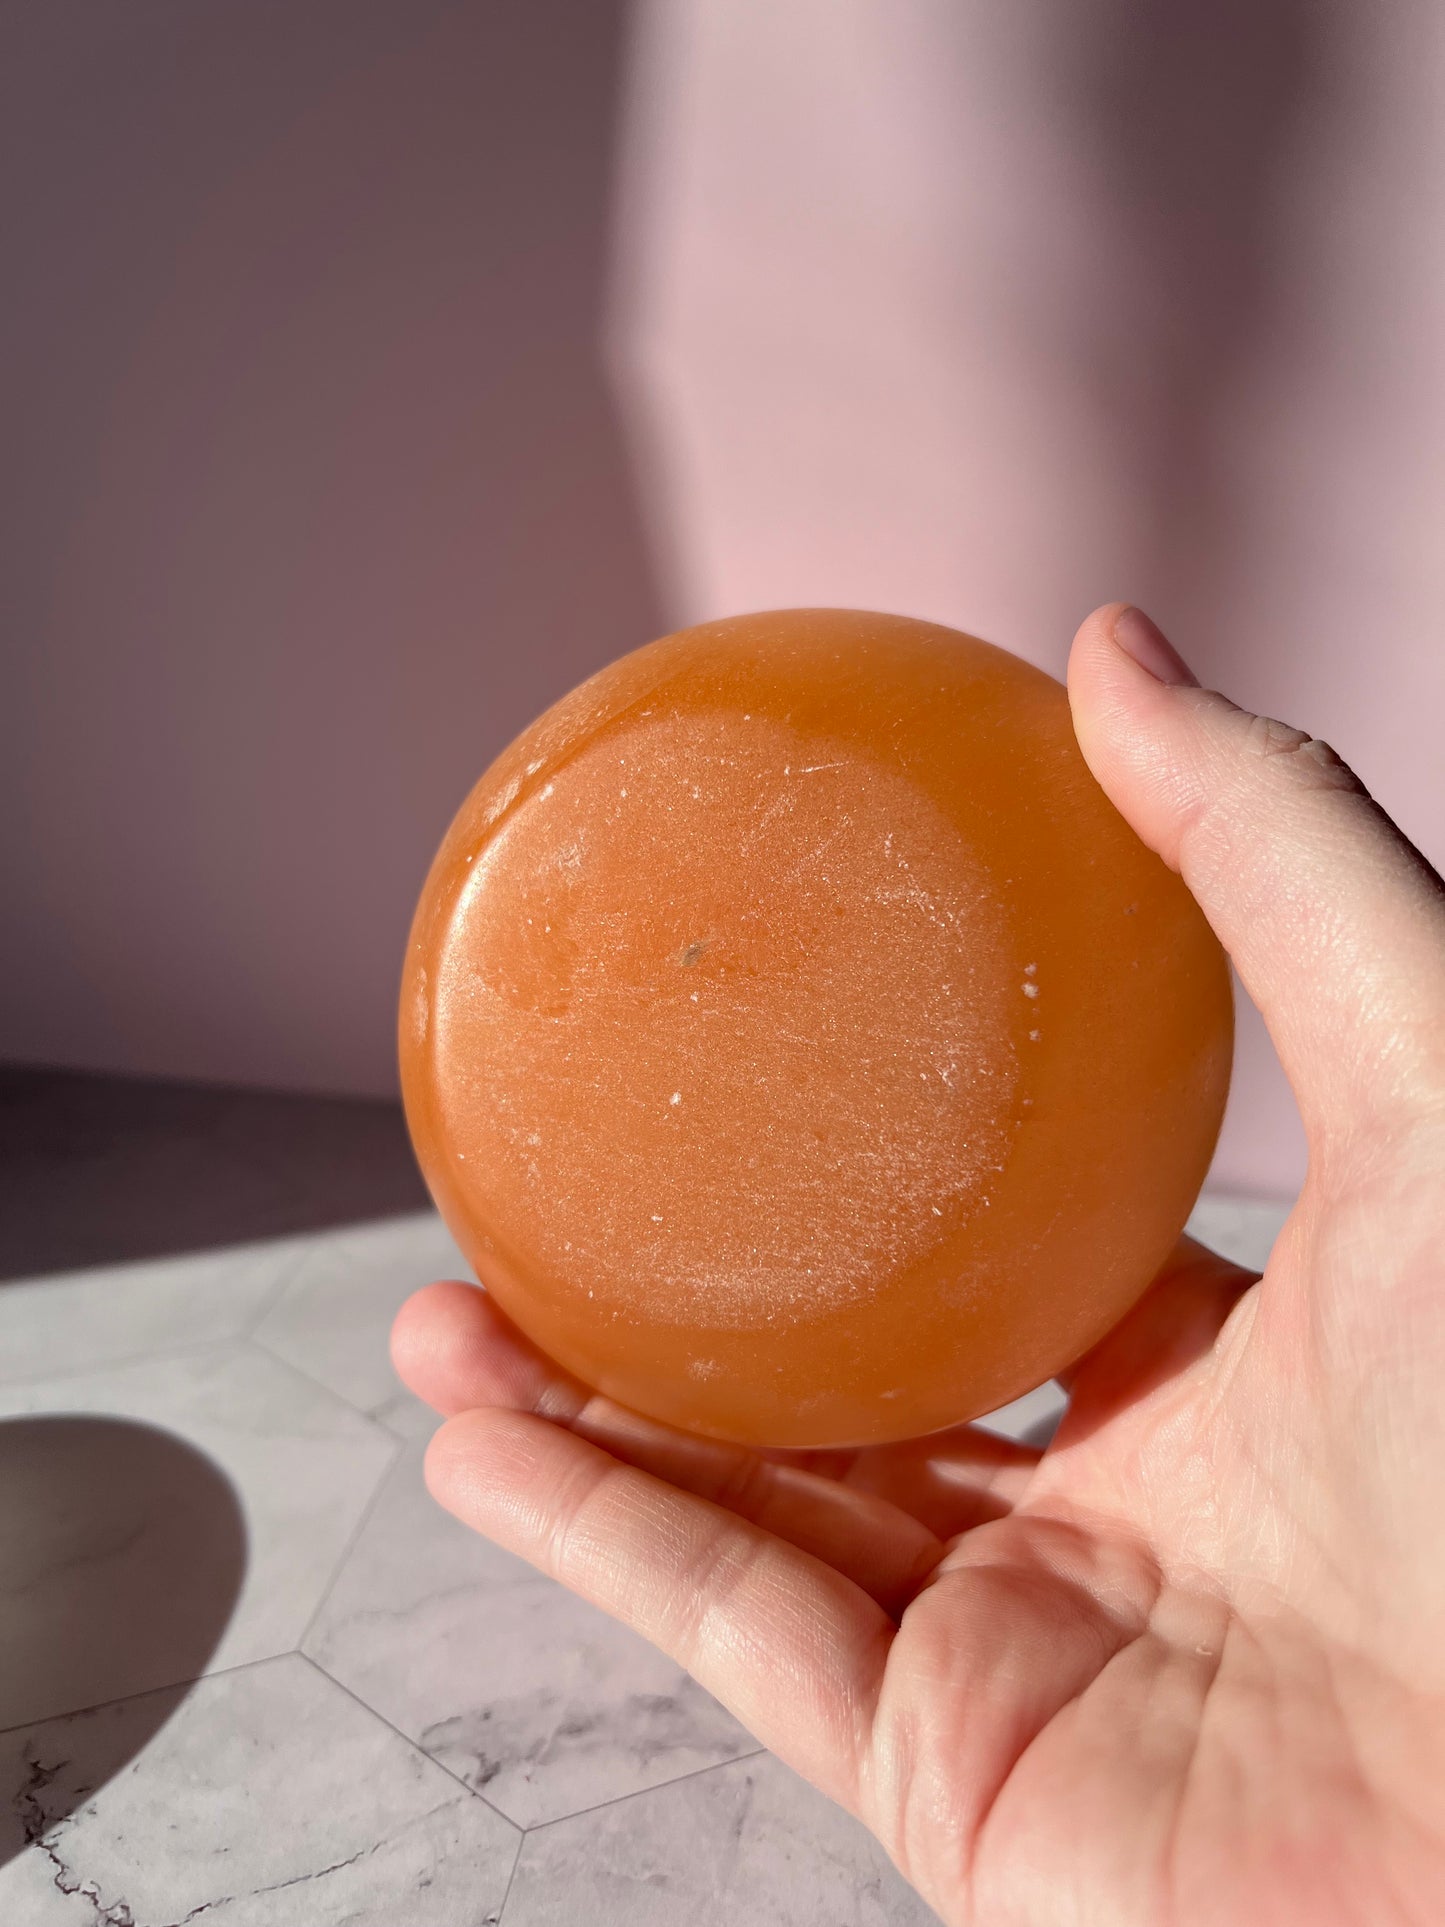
(1176, 1687)
(1186, 1666)
(1071, 1685)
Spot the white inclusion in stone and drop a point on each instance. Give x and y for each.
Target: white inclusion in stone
(1031, 990)
(676, 1098)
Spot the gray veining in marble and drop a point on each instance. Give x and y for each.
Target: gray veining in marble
(181, 1501)
(522, 1690)
(747, 1843)
(270, 1798)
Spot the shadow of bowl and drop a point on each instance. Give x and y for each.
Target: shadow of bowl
(124, 1552)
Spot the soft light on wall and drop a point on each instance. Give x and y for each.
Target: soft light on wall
(377, 371)
(990, 314)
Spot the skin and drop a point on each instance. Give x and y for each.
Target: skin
(1188, 1665)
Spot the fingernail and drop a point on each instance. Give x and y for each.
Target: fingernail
(1146, 643)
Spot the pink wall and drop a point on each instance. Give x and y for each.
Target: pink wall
(318, 489)
(315, 494)
(992, 312)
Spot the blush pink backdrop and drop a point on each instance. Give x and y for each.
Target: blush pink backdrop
(376, 371)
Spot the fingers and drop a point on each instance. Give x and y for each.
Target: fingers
(454, 1348)
(1336, 925)
(786, 1642)
(951, 1481)
(457, 1351)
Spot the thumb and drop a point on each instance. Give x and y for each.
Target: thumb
(1334, 922)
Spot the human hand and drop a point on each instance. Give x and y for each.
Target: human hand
(1187, 1665)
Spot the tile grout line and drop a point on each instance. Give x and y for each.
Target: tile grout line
(190, 1682)
(187, 1686)
(537, 1826)
(407, 1438)
(397, 1449)
(306, 1245)
(260, 1348)
(501, 1914)
(621, 1799)
(642, 1792)
(196, 1349)
(240, 1335)
(279, 1288)
(409, 1742)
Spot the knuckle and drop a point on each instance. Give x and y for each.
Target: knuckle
(1302, 758)
(745, 1485)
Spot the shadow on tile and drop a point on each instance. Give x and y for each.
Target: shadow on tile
(102, 1170)
(48, 1783)
(124, 1554)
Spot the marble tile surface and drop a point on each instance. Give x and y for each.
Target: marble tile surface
(122, 1556)
(302, 1467)
(383, 1700)
(525, 1692)
(333, 1316)
(1241, 1229)
(69, 1320)
(1032, 1419)
(747, 1843)
(268, 1798)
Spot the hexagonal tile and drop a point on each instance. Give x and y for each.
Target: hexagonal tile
(747, 1842)
(303, 1467)
(265, 1798)
(333, 1318)
(522, 1690)
(71, 1320)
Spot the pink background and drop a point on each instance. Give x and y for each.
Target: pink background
(373, 372)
